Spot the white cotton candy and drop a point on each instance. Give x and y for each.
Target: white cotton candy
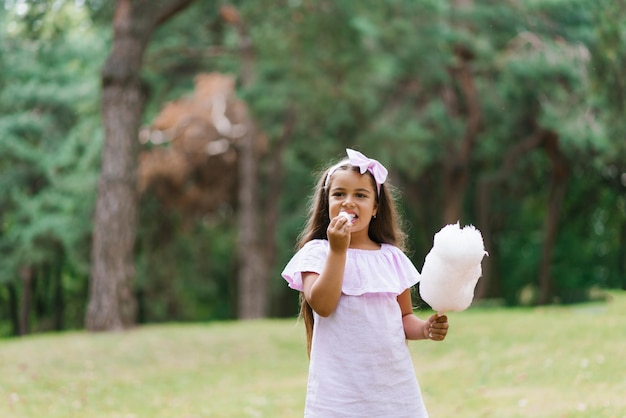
(349, 216)
(452, 268)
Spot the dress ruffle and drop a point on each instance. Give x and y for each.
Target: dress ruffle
(387, 270)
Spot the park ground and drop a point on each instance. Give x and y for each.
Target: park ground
(542, 362)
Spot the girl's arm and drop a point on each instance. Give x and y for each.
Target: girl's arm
(322, 291)
(434, 328)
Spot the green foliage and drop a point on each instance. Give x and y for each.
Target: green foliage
(49, 150)
(184, 265)
(373, 75)
(182, 48)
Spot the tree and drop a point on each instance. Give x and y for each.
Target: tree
(112, 302)
(542, 84)
(49, 145)
(253, 269)
(609, 61)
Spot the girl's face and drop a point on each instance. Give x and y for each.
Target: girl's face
(355, 194)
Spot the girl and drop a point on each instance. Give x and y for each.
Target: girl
(355, 285)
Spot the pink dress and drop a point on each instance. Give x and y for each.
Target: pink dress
(360, 363)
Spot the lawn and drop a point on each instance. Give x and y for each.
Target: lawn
(552, 362)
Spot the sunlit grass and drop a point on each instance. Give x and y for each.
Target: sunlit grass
(553, 362)
(542, 362)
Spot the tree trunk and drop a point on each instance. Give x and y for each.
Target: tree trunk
(41, 292)
(275, 187)
(112, 304)
(253, 273)
(58, 298)
(621, 255)
(253, 276)
(489, 285)
(457, 163)
(26, 275)
(558, 188)
(467, 104)
(13, 309)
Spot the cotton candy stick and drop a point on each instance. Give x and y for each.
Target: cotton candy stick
(452, 268)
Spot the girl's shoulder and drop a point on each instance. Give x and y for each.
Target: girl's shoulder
(310, 258)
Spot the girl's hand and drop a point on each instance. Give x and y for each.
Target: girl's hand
(436, 327)
(338, 233)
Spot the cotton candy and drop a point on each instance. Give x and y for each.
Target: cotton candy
(452, 268)
(349, 216)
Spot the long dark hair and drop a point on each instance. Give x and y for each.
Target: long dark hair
(386, 228)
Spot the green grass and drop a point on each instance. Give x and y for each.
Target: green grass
(552, 362)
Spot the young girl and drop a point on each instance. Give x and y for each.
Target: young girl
(355, 285)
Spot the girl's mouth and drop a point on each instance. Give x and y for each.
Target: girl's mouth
(350, 217)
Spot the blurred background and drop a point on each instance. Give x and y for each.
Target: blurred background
(157, 157)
